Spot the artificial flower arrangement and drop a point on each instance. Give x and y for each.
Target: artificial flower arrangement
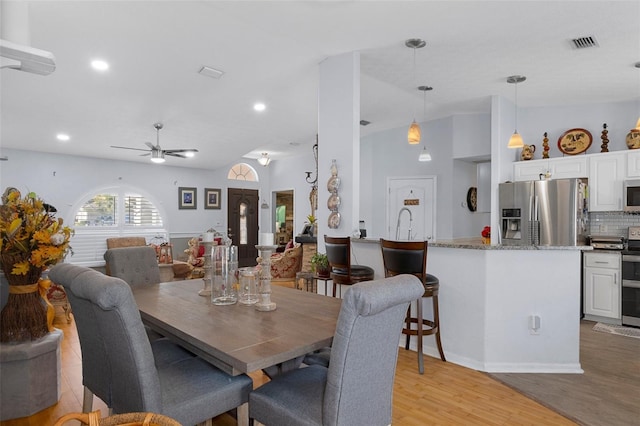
(31, 240)
(486, 235)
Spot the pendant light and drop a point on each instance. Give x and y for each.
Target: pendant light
(424, 155)
(637, 65)
(516, 140)
(413, 135)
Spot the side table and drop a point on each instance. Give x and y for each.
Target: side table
(325, 279)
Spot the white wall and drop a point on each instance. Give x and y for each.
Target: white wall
(64, 181)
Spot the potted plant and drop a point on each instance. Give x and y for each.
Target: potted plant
(312, 220)
(31, 240)
(320, 265)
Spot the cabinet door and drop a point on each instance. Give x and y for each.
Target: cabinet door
(568, 167)
(602, 292)
(633, 164)
(606, 175)
(529, 170)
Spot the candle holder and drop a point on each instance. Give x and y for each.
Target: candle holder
(264, 290)
(207, 279)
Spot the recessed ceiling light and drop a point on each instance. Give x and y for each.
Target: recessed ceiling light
(62, 137)
(99, 65)
(259, 106)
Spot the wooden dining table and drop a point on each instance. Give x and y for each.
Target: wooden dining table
(239, 338)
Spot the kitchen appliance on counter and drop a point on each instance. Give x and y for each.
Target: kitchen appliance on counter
(544, 212)
(631, 279)
(607, 242)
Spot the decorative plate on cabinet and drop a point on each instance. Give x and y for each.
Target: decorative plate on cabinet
(333, 184)
(574, 141)
(472, 199)
(334, 220)
(333, 202)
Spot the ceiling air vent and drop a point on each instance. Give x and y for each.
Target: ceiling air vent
(584, 42)
(364, 122)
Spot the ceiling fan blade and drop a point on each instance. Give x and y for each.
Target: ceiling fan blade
(152, 146)
(126, 147)
(175, 154)
(178, 151)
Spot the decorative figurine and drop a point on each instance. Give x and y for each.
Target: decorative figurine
(605, 140)
(527, 152)
(545, 146)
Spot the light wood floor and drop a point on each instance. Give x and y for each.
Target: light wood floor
(446, 394)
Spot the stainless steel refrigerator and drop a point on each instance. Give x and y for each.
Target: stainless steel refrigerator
(544, 212)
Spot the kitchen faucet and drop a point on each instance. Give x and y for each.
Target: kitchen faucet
(398, 225)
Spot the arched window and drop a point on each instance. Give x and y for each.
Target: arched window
(243, 171)
(112, 212)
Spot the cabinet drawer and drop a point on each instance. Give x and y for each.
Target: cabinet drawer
(598, 260)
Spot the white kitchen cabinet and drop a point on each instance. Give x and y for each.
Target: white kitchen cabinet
(633, 164)
(606, 175)
(601, 286)
(558, 168)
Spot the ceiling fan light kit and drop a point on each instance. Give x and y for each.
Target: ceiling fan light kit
(264, 159)
(157, 153)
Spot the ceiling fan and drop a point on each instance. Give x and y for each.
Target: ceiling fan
(157, 153)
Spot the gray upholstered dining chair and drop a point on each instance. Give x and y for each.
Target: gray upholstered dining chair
(135, 265)
(357, 387)
(128, 372)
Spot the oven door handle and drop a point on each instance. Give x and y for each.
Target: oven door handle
(630, 258)
(630, 284)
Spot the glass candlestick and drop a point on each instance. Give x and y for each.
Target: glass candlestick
(207, 279)
(264, 290)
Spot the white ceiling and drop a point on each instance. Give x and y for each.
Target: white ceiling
(270, 51)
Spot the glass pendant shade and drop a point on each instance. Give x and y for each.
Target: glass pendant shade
(424, 155)
(638, 125)
(516, 140)
(414, 134)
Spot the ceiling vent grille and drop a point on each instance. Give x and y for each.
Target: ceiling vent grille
(584, 42)
(364, 122)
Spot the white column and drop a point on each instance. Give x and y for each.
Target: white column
(339, 138)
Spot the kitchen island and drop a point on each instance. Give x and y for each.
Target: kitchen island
(488, 297)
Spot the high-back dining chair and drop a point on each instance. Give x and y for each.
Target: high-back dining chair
(130, 373)
(410, 257)
(338, 250)
(135, 265)
(357, 387)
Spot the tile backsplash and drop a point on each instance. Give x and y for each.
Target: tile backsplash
(612, 223)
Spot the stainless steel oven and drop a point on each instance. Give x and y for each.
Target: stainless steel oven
(631, 279)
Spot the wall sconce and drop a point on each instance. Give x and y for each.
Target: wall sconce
(264, 159)
(314, 181)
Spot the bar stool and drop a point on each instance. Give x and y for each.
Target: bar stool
(338, 251)
(410, 257)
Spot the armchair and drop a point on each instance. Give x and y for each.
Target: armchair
(285, 265)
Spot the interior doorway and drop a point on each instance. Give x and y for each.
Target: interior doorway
(412, 208)
(283, 216)
(242, 217)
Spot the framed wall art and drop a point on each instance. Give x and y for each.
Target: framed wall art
(187, 198)
(212, 198)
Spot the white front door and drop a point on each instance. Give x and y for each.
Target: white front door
(411, 198)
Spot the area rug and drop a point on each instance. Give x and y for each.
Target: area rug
(618, 329)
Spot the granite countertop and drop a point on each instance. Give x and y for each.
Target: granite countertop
(476, 244)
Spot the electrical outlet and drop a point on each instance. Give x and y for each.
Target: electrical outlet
(603, 227)
(534, 324)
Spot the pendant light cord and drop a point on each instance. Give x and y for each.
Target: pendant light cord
(516, 106)
(414, 80)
